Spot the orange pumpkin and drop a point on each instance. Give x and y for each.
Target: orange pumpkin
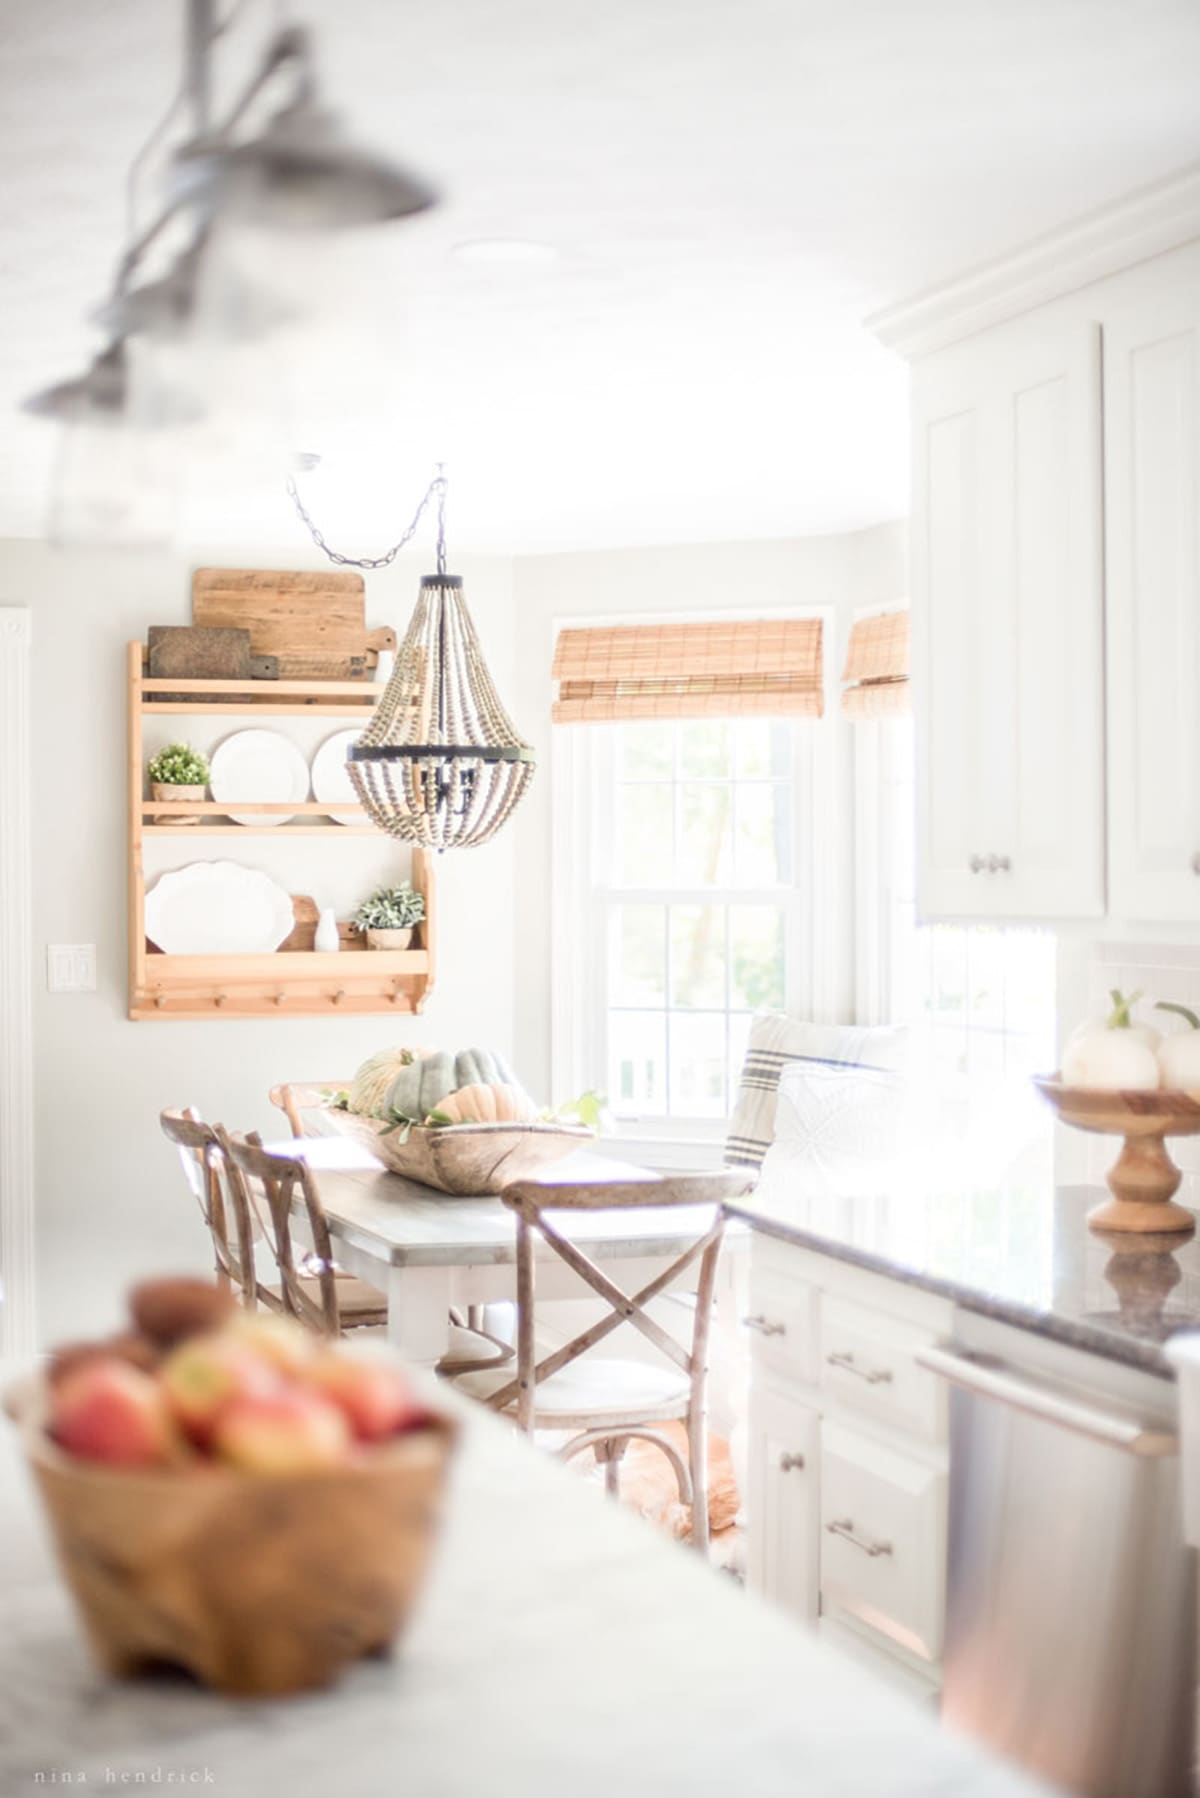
(498, 1103)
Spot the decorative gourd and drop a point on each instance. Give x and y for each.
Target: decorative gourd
(497, 1102)
(1179, 1055)
(1115, 1055)
(417, 1090)
(369, 1088)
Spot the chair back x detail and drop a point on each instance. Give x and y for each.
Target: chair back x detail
(604, 1428)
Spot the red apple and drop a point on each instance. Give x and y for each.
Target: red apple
(107, 1410)
(206, 1373)
(288, 1431)
(374, 1393)
(281, 1341)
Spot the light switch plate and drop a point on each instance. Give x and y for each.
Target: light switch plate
(71, 967)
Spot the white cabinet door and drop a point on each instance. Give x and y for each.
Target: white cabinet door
(1152, 486)
(783, 1500)
(1008, 623)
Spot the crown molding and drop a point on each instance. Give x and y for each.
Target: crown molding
(1140, 225)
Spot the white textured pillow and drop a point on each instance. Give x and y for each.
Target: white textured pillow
(777, 1042)
(837, 1131)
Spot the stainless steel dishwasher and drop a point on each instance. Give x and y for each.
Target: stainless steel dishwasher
(1070, 1623)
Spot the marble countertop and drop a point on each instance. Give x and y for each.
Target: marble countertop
(563, 1645)
(1023, 1254)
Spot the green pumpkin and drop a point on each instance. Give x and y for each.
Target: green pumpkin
(417, 1090)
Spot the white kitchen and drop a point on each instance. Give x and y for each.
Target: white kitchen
(608, 1193)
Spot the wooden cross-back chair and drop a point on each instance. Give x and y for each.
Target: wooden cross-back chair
(308, 1287)
(608, 1402)
(296, 1097)
(313, 1288)
(222, 1200)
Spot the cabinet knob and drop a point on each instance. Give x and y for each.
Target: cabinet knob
(976, 864)
(766, 1326)
(789, 1462)
(999, 864)
(1196, 862)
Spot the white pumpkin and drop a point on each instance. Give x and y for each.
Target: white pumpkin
(1179, 1054)
(495, 1103)
(369, 1088)
(1115, 1055)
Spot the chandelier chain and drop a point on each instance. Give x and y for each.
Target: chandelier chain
(436, 487)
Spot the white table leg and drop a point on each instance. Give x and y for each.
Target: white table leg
(418, 1312)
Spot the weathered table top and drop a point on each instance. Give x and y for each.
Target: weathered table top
(408, 1225)
(562, 1646)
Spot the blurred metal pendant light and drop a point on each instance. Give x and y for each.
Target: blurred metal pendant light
(296, 172)
(440, 764)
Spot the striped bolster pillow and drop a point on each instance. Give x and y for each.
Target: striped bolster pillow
(776, 1042)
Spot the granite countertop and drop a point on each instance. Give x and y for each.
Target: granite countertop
(563, 1645)
(1020, 1253)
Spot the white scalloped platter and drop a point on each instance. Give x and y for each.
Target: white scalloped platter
(217, 908)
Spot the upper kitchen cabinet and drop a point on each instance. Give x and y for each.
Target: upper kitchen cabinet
(1007, 607)
(1152, 528)
(1056, 571)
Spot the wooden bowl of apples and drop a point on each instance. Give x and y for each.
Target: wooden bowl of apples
(234, 1495)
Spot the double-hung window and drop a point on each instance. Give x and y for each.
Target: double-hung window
(683, 856)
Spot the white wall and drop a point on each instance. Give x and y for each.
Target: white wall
(110, 1199)
(847, 573)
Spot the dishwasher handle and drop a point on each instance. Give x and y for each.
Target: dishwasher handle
(989, 1377)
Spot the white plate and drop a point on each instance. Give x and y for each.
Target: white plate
(217, 908)
(330, 777)
(261, 765)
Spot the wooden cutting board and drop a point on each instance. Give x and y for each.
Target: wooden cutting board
(304, 930)
(198, 654)
(315, 623)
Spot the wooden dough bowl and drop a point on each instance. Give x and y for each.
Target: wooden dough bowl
(257, 1585)
(1143, 1179)
(465, 1160)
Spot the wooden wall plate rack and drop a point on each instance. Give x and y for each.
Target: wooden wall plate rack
(296, 983)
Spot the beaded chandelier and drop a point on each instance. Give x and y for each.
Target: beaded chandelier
(440, 763)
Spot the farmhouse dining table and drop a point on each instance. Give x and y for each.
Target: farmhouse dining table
(429, 1251)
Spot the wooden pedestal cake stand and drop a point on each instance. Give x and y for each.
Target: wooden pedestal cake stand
(1143, 1179)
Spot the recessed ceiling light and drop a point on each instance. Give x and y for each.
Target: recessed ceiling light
(504, 249)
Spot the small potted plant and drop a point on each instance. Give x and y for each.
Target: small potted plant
(389, 915)
(179, 772)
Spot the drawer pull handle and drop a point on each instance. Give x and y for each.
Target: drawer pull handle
(790, 1463)
(874, 1376)
(844, 1527)
(765, 1326)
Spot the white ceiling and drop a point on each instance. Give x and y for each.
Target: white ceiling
(731, 186)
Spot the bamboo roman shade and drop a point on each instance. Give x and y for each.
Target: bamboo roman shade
(755, 667)
(876, 669)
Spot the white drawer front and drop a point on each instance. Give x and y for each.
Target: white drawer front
(781, 1321)
(883, 1539)
(868, 1364)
